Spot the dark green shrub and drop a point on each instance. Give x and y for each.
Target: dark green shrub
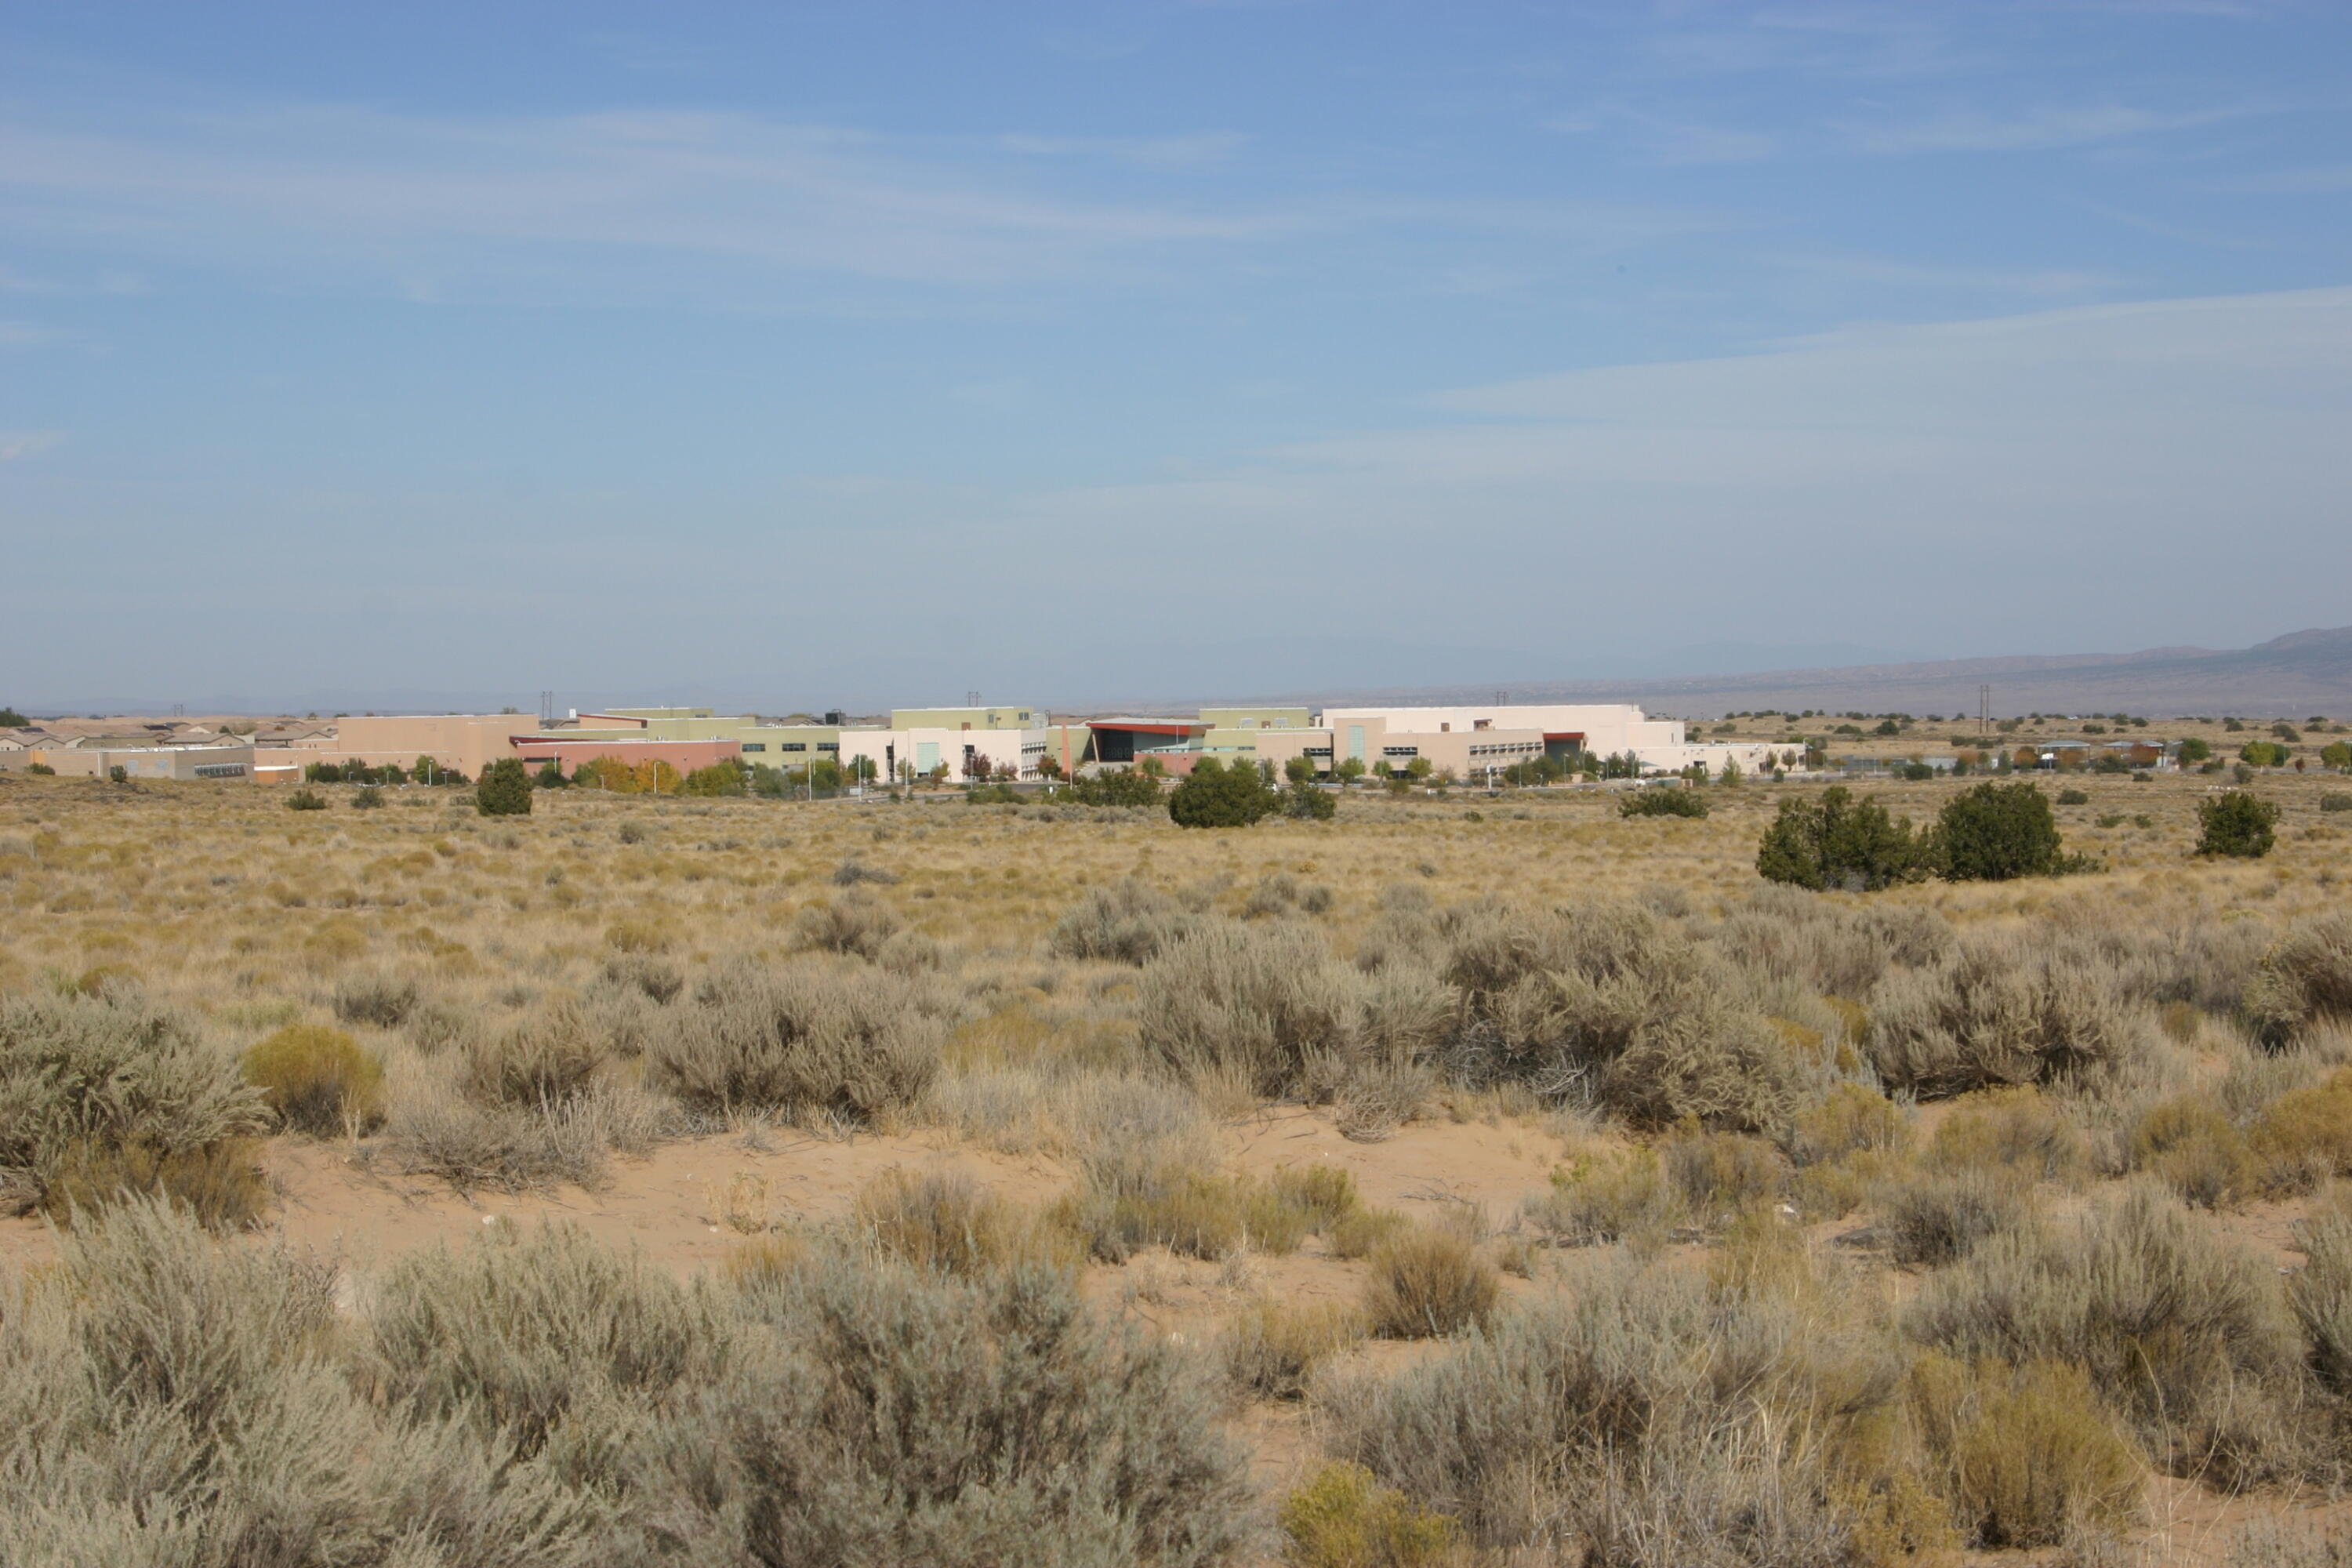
(2070, 796)
(2237, 824)
(1838, 843)
(306, 800)
(505, 789)
(1307, 803)
(2195, 750)
(368, 798)
(1661, 799)
(317, 1079)
(1216, 795)
(550, 776)
(42, 770)
(1995, 832)
(2336, 800)
(1119, 786)
(2264, 754)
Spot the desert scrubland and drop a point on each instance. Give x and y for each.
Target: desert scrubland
(1469, 1180)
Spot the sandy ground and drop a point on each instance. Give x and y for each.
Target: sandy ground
(677, 1207)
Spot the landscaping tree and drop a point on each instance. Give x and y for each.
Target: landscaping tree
(2264, 754)
(724, 777)
(1216, 795)
(2337, 754)
(550, 776)
(11, 719)
(1300, 770)
(505, 789)
(1838, 842)
(2237, 823)
(1995, 832)
(2194, 750)
(608, 773)
(1350, 771)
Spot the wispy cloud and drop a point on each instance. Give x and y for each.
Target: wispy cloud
(2034, 130)
(2036, 283)
(2317, 182)
(1662, 138)
(425, 200)
(1187, 152)
(23, 334)
(15, 446)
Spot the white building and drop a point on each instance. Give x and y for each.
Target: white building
(1499, 733)
(1009, 753)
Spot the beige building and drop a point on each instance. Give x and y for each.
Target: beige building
(142, 762)
(467, 742)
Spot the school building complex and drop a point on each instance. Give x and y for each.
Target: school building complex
(1007, 741)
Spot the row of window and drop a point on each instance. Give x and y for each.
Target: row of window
(220, 771)
(792, 746)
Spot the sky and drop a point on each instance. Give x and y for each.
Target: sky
(797, 355)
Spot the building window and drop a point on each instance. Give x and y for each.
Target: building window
(828, 745)
(1398, 751)
(1356, 741)
(755, 745)
(794, 746)
(221, 770)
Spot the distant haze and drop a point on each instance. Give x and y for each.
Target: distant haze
(2299, 675)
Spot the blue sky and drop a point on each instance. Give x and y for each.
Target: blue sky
(787, 355)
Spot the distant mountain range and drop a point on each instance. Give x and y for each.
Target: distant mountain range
(2296, 676)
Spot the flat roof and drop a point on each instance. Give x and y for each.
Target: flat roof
(1152, 726)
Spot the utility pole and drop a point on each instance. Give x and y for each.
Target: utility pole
(1984, 713)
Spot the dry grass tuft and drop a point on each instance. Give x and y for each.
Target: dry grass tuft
(937, 1220)
(1272, 1349)
(2029, 1457)
(318, 1080)
(1429, 1283)
(1343, 1518)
